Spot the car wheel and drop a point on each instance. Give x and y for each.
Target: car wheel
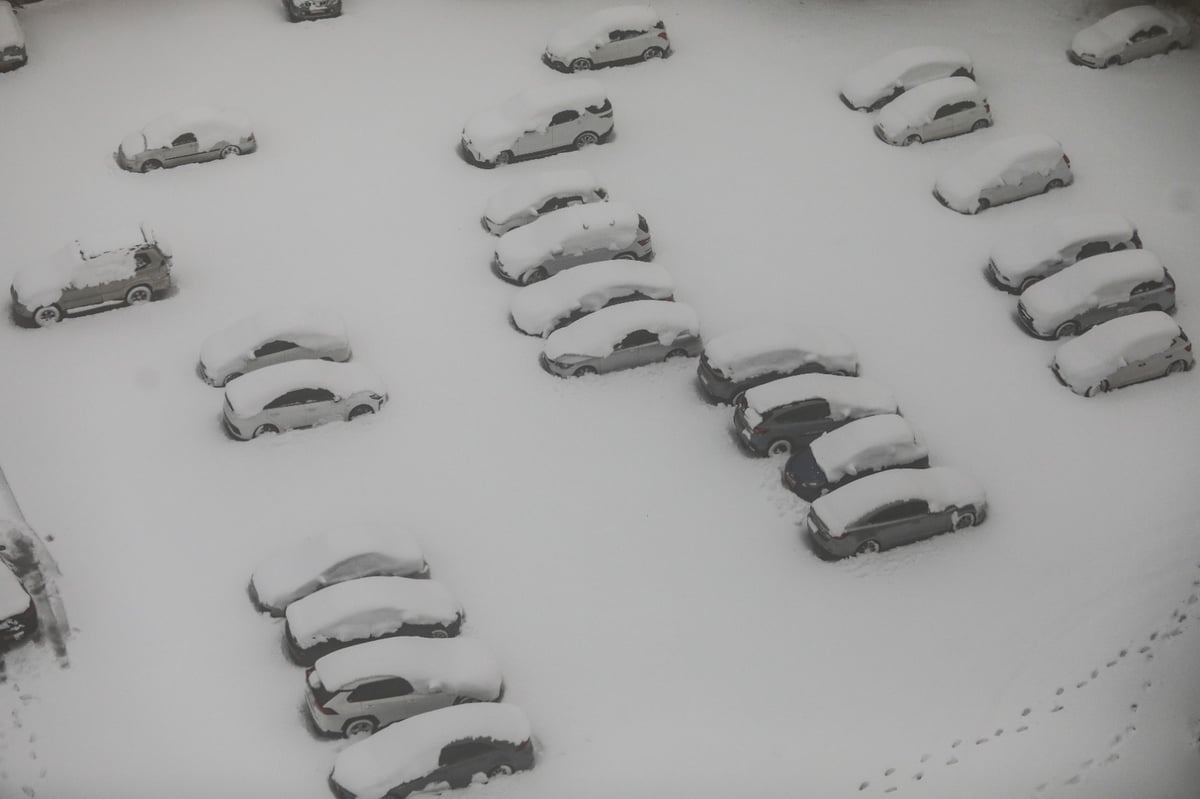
(1172, 47)
(583, 371)
(867, 547)
(501, 771)
(232, 377)
(464, 700)
(1027, 282)
(586, 139)
(626, 256)
(964, 520)
(1066, 329)
(1115, 61)
(1054, 184)
(263, 429)
(229, 150)
(913, 139)
(138, 294)
(780, 446)
(439, 634)
(980, 124)
(1176, 366)
(363, 725)
(47, 315)
(983, 205)
(676, 354)
(581, 65)
(651, 53)
(151, 165)
(536, 275)
(360, 410)
(503, 158)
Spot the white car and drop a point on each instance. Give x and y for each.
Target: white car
(935, 110)
(1123, 351)
(751, 356)
(621, 337)
(577, 235)
(565, 115)
(187, 136)
(359, 689)
(365, 609)
(277, 335)
(1129, 34)
(622, 35)
(1004, 171)
(541, 308)
(300, 394)
(537, 195)
(341, 554)
(12, 40)
(1031, 255)
(873, 86)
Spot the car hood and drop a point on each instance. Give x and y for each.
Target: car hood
(133, 144)
(491, 131)
(1094, 41)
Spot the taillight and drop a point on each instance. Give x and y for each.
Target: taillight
(250, 137)
(1066, 160)
(987, 107)
(525, 745)
(662, 35)
(643, 242)
(1188, 348)
(760, 429)
(669, 298)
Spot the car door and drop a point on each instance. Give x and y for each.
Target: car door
(272, 352)
(940, 124)
(564, 127)
(183, 149)
(390, 699)
(633, 350)
(882, 526)
(803, 421)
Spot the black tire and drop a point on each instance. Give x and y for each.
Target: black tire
(651, 53)
(580, 65)
(584, 371)
(980, 124)
(586, 139)
(47, 315)
(983, 205)
(780, 446)
(151, 165)
(500, 771)
(536, 275)
(1172, 47)
(1066, 329)
(1115, 61)
(966, 519)
(360, 410)
(1176, 367)
(360, 725)
(625, 256)
(263, 429)
(676, 354)
(1151, 307)
(867, 547)
(1054, 184)
(913, 139)
(230, 149)
(139, 294)
(1027, 282)
(439, 634)
(1118, 247)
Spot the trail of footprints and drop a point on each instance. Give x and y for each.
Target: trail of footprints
(1174, 627)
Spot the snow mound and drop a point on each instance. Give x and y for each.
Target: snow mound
(845, 395)
(249, 393)
(902, 69)
(866, 444)
(595, 335)
(369, 607)
(537, 308)
(1004, 161)
(580, 38)
(568, 231)
(525, 196)
(314, 327)
(753, 351)
(1089, 358)
(941, 486)
(493, 130)
(1027, 253)
(1062, 294)
(461, 666)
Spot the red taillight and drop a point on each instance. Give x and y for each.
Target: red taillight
(643, 242)
(671, 298)
(760, 429)
(1066, 160)
(1188, 348)
(662, 35)
(525, 746)
(250, 137)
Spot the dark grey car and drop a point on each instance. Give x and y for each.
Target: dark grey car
(298, 10)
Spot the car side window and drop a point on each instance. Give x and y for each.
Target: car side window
(809, 411)
(1142, 288)
(140, 260)
(1092, 248)
(381, 689)
(600, 109)
(184, 138)
(637, 338)
(459, 751)
(897, 511)
(944, 111)
(556, 203)
(1156, 30)
(564, 116)
(272, 347)
(301, 396)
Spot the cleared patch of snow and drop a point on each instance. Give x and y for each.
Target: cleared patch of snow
(249, 393)
(581, 37)
(1089, 358)
(463, 666)
(369, 607)
(865, 444)
(941, 486)
(752, 351)
(595, 335)
(538, 307)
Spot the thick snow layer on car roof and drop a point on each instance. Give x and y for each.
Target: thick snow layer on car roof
(13, 597)
(11, 34)
(752, 351)
(940, 486)
(291, 569)
(917, 106)
(1087, 359)
(1008, 158)
(368, 607)
(42, 283)
(1125, 22)
(877, 79)
(209, 124)
(537, 307)
(463, 666)
(584, 35)
(1063, 292)
(845, 395)
(307, 325)
(524, 196)
(249, 393)
(596, 335)
(1018, 257)
(409, 749)
(495, 129)
(576, 229)
(863, 443)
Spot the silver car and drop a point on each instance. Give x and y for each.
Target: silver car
(873, 86)
(300, 394)
(1129, 34)
(935, 110)
(12, 40)
(542, 308)
(623, 35)
(191, 135)
(1032, 255)
(538, 195)
(623, 336)
(1123, 351)
(272, 336)
(1004, 171)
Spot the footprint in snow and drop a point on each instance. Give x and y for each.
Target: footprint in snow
(1081, 684)
(889, 790)
(979, 741)
(919, 775)
(1143, 650)
(1095, 673)
(1059, 692)
(865, 784)
(1073, 781)
(1026, 711)
(1112, 758)
(1056, 708)
(953, 760)
(998, 733)
(924, 757)
(889, 772)
(956, 744)
(1022, 728)
(1110, 664)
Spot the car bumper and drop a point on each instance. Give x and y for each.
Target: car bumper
(747, 441)
(550, 367)
(1077, 59)
(471, 158)
(1027, 325)
(232, 429)
(992, 277)
(847, 103)
(554, 63)
(806, 493)
(879, 134)
(831, 548)
(500, 273)
(937, 195)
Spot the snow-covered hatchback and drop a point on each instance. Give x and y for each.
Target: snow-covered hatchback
(538, 195)
(622, 35)
(18, 614)
(935, 110)
(12, 40)
(188, 136)
(1004, 171)
(1019, 262)
(742, 359)
(300, 394)
(272, 336)
(544, 307)
(359, 689)
(873, 86)
(1129, 34)
(1120, 352)
(853, 451)
(623, 336)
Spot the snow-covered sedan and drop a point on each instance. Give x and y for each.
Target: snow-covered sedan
(541, 308)
(344, 553)
(187, 136)
(18, 614)
(622, 35)
(1129, 34)
(300, 394)
(1031, 255)
(873, 86)
(12, 40)
(1093, 291)
(1120, 352)
(272, 336)
(622, 337)
(539, 194)
(449, 748)
(548, 119)
(851, 452)
(935, 110)
(577, 235)
(1004, 171)
(362, 688)
(365, 609)
(893, 508)
(742, 359)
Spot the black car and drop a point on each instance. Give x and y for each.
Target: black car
(862, 447)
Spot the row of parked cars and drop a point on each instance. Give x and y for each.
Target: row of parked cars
(387, 667)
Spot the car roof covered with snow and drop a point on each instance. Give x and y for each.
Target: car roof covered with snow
(523, 196)
(586, 34)
(877, 79)
(866, 443)
(311, 326)
(917, 106)
(1121, 24)
(1089, 358)
(410, 749)
(210, 125)
(463, 666)
(1007, 160)
(1022, 254)
(14, 599)
(249, 393)
(493, 129)
(751, 351)
(369, 606)
(1082, 283)
(575, 229)
(597, 334)
(42, 282)
(538, 306)
(845, 395)
(941, 486)
(11, 34)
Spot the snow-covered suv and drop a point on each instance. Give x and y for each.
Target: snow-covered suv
(622, 35)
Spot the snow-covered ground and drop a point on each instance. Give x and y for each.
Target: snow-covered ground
(654, 605)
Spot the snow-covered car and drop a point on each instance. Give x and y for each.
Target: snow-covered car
(777, 417)
(571, 236)
(853, 451)
(365, 609)
(187, 136)
(298, 10)
(565, 115)
(622, 35)
(362, 688)
(742, 359)
(344, 553)
(300, 394)
(1004, 171)
(449, 748)
(623, 336)
(893, 508)
(541, 308)
(537, 195)
(80, 278)
(1129, 34)
(1100, 288)
(12, 40)
(275, 335)
(935, 110)
(873, 86)
(1123, 351)
(1019, 262)
(18, 614)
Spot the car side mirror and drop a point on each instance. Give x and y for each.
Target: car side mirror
(556, 251)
